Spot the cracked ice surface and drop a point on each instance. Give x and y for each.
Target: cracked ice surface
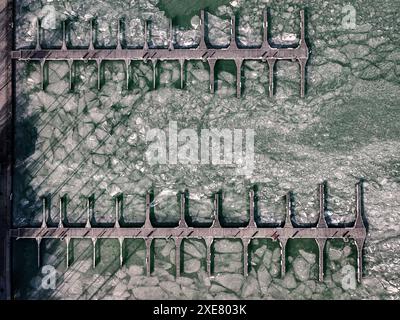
(93, 143)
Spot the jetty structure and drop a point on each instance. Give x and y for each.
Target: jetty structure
(203, 52)
(321, 232)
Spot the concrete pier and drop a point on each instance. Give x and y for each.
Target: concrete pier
(91, 36)
(148, 242)
(98, 62)
(209, 243)
(121, 251)
(71, 74)
(211, 64)
(64, 36)
(182, 221)
(359, 245)
(127, 70)
(216, 222)
(282, 243)
(178, 243)
(322, 203)
(38, 244)
(118, 207)
(321, 233)
(94, 241)
(147, 222)
(252, 211)
(38, 40)
(67, 242)
(245, 243)
(321, 249)
(265, 43)
(202, 44)
(271, 65)
(119, 45)
(359, 224)
(238, 63)
(289, 211)
(182, 72)
(190, 232)
(88, 213)
(61, 212)
(45, 209)
(42, 73)
(202, 52)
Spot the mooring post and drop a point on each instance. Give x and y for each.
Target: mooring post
(282, 242)
(148, 256)
(38, 41)
(211, 63)
(321, 247)
(202, 44)
(64, 37)
(239, 63)
(322, 204)
(178, 242)
(209, 243)
(182, 65)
